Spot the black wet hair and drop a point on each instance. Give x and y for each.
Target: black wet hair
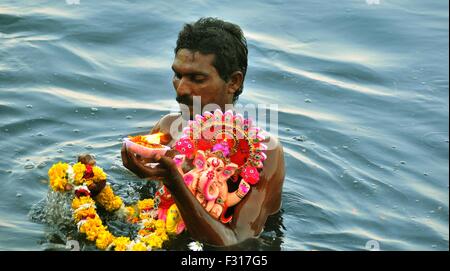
(223, 39)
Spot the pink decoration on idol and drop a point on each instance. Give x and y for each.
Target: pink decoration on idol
(185, 146)
(178, 159)
(250, 175)
(188, 178)
(223, 147)
(244, 189)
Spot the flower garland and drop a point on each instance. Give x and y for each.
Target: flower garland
(78, 178)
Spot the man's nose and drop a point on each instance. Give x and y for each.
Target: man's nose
(183, 87)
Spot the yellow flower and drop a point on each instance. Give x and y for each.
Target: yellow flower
(88, 182)
(145, 204)
(160, 224)
(77, 202)
(162, 234)
(104, 238)
(157, 242)
(99, 175)
(108, 200)
(92, 227)
(130, 212)
(78, 170)
(145, 215)
(121, 243)
(153, 241)
(150, 224)
(84, 213)
(57, 175)
(116, 203)
(58, 184)
(139, 247)
(164, 237)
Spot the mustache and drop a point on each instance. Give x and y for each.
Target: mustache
(185, 99)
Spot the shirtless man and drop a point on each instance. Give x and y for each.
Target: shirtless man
(211, 62)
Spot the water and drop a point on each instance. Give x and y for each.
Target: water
(362, 90)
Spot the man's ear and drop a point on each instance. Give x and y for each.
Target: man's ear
(235, 82)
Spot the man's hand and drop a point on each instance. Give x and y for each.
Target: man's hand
(137, 165)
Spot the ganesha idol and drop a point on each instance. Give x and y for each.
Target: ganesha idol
(225, 150)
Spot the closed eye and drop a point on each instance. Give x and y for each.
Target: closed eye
(177, 75)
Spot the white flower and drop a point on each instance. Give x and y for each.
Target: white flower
(84, 206)
(81, 187)
(70, 174)
(195, 246)
(80, 223)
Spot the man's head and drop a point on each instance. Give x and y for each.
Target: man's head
(210, 61)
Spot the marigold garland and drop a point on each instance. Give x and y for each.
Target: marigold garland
(76, 179)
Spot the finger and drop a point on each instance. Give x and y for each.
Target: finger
(149, 172)
(156, 171)
(171, 153)
(131, 162)
(131, 156)
(140, 158)
(165, 161)
(134, 161)
(148, 160)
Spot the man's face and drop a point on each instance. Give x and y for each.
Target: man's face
(195, 75)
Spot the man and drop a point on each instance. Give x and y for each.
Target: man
(211, 62)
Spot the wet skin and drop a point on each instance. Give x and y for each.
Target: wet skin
(195, 75)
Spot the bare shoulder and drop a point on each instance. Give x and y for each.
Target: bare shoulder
(275, 157)
(264, 198)
(273, 173)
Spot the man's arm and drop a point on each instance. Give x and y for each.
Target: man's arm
(264, 199)
(250, 214)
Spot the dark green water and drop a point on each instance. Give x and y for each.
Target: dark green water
(362, 91)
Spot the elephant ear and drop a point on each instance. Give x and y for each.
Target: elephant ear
(229, 170)
(200, 160)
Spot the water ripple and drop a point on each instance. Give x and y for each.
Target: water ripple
(374, 90)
